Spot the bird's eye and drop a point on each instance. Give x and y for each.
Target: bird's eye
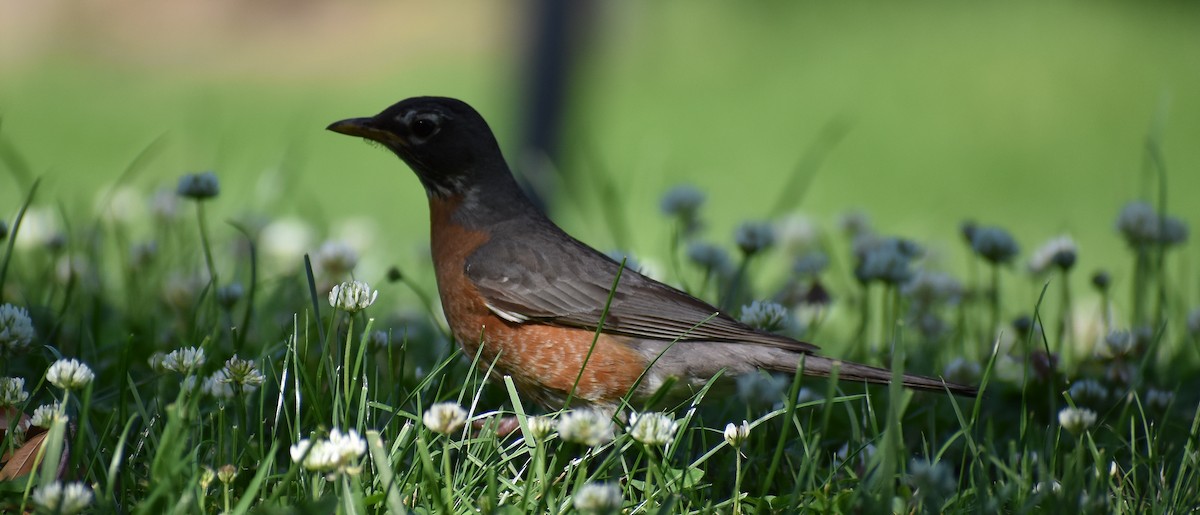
(423, 127)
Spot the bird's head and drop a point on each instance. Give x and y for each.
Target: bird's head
(445, 141)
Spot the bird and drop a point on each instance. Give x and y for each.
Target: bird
(566, 322)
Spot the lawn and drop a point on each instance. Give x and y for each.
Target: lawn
(943, 151)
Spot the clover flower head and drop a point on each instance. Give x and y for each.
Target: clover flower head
(445, 417)
(540, 427)
(16, 330)
(352, 296)
(765, 315)
(811, 264)
(962, 371)
(652, 429)
(198, 186)
(994, 244)
(928, 288)
(186, 361)
(69, 374)
(230, 294)
(1088, 392)
(1076, 420)
(797, 233)
(1138, 223)
(1101, 280)
(1116, 344)
(887, 260)
(682, 201)
(336, 454)
(585, 426)
(1159, 399)
(46, 414)
(243, 373)
(218, 385)
(335, 258)
(12, 391)
(710, 257)
(931, 480)
(1059, 252)
(736, 434)
(58, 498)
(598, 498)
(227, 473)
(754, 237)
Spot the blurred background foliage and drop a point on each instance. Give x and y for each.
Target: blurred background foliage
(1032, 115)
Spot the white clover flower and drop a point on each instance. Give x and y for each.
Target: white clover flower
(12, 391)
(46, 414)
(585, 426)
(339, 453)
(652, 429)
(598, 498)
(811, 264)
(286, 240)
(540, 427)
(765, 315)
(62, 499)
(962, 371)
(887, 260)
(186, 361)
(1138, 223)
(754, 237)
(797, 233)
(16, 330)
(928, 288)
(1159, 399)
(218, 385)
(445, 417)
(994, 244)
(244, 374)
(1088, 392)
(39, 226)
(227, 473)
(682, 201)
(352, 296)
(164, 205)
(230, 294)
(335, 258)
(931, 480)
(736, 435)
(1116, 344)
(1058, 252)
(198, 186)
(69, 374)
(709, 257)
(1076, 420)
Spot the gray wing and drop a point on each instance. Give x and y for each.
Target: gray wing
(560, 281)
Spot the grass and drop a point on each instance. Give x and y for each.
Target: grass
(156, 431)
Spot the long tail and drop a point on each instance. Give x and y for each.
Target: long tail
(822, 366)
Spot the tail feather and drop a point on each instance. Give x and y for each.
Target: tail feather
(822, 366)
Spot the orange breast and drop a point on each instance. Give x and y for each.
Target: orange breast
(543, 360)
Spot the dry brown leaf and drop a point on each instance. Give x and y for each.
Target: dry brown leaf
(22, 460)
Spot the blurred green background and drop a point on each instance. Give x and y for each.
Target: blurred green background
(1031, 115)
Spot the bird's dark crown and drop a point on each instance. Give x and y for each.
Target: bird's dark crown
(444, 140)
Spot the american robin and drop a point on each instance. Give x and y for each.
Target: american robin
(533, 297)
